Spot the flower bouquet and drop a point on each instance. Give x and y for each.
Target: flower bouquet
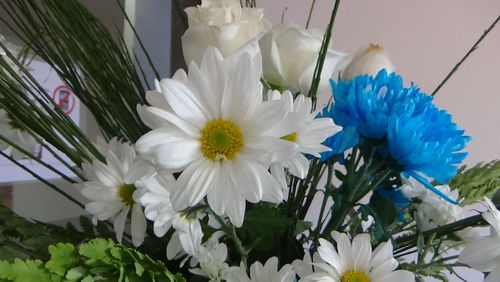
(231, 170)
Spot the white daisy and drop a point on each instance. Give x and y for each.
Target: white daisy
(211, 257)
(308, 132)
(262, 273)
(158, 208)
(484, 253)
(10, 130)
(112, 191)
(357, 262)
(219, 135)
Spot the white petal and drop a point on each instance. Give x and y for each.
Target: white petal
(382, 259)
(329, 255)
(267, 149)
(482, 254)
(103, 210)
(119, 223)
(298, 165)
(397, 276)
(217, 196)
(243, 92)
(246, 180)
(235, 208)
(194, 183)
(266, 116)
(97, 192)
(107, 175)
(178, 154)
(343, 248)
(186, 104)
(174, 246)
(138, 225)
(186, 126)
(361, 252)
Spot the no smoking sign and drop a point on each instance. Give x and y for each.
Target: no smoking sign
(64, 98)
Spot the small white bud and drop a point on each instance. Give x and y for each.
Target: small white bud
(369, 60)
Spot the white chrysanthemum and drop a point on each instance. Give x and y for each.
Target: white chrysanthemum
(158, 208)
(308, 132)
(218, 133)
(433, 211)
(112, 189)
(211, 257)
(484, 253)
(11, 131)
(356, 261)
(261, 273)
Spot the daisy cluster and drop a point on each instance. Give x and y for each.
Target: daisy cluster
(222, 141)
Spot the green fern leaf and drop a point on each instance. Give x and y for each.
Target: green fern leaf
(476, 182)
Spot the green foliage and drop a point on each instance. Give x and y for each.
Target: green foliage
(433, 270)
(267, 231)
(97, 259)
(94, 64)
(22, 238)
(21, 271)
(476, 182)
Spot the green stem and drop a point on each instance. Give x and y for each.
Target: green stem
(326, 194)
(322, 55)
(55, 188)
(37, 159)
(310, 13)
(408, 242)
(472, 49)
(231, 232)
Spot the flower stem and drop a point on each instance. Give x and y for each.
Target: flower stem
(472, 49)
(407, 242)
(310, 13)
(230, 230)
(322, 55)
(55, 188)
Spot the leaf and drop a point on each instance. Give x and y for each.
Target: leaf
(97, 250)
(21, 271)
(385, 211)
(64, 257)
(75, 273)
(476, 182)
(301, 226)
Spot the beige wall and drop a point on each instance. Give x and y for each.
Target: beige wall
(425, 39)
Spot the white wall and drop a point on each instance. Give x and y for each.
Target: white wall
(425, 39)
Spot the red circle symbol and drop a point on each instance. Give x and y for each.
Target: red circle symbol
(64, 98)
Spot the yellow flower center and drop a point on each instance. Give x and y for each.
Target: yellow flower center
(125, 193)
(221, 140)
(354, 276)
(292, 137)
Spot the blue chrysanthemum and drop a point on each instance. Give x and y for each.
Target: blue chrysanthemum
(345, 139)
(421, 138)
(367, 102)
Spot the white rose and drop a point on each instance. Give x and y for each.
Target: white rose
(368, 60)
(289, 56)
(222, 24)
